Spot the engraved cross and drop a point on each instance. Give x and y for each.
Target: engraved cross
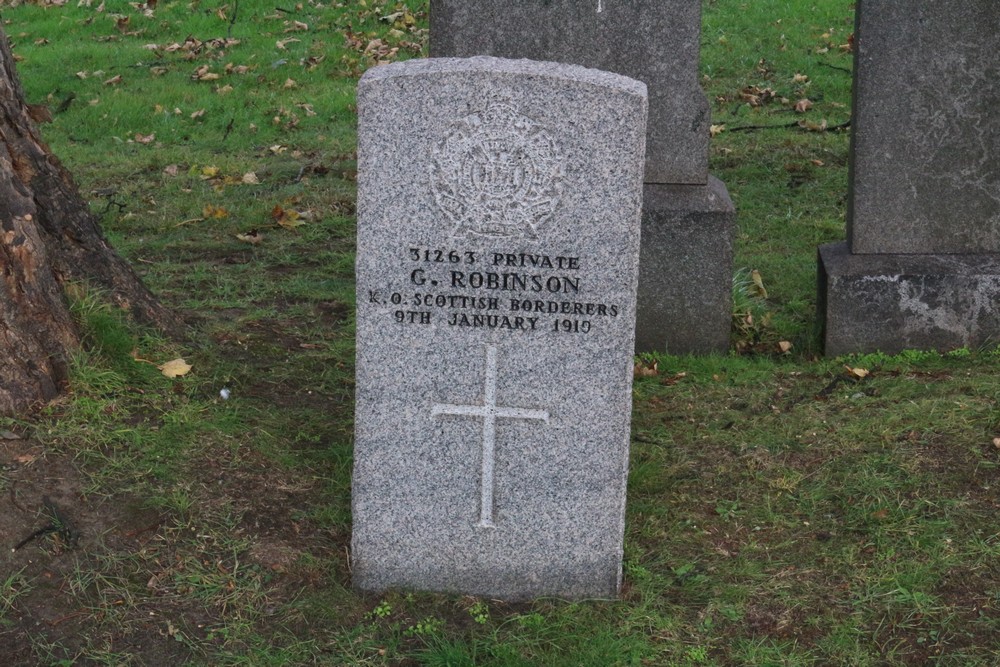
(489, 412)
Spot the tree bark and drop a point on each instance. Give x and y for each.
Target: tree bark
(48, 239)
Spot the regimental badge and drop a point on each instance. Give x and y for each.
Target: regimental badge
(497, 174)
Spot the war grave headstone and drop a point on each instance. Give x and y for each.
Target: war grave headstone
(686, 263)
(921, 264)
(497, 261)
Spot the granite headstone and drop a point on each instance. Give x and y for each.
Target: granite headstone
(654, 41)
(921, 265)
(497, 261)
(686, 269)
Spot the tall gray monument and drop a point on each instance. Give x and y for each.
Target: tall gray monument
(497, 262)
(921, 264)
(686, 267)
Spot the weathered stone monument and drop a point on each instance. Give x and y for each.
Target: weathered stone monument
(921, 265)
(498, 240)
(688, 222)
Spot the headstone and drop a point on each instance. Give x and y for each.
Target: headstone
(654, 41)
(686, 270)
(921, 266)
(498, 239)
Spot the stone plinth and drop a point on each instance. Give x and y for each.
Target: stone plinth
(890, 303)
(685, 275)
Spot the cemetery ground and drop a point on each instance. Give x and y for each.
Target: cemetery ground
(784, 508)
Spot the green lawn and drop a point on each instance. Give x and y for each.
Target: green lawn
(784, 509)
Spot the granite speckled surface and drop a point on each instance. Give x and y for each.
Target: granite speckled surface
(498, 239)
(685, 280)
(654, 41)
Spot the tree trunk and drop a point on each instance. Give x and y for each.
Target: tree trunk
(48, 238)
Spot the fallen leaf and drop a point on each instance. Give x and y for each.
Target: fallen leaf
(803, 105)
(250, 178)
(810, 126)
(287, 218)
(645, 369)
(715, 130)
(800, 78)
(674, 379)
(857, 373)
(252, 237)
(25, 459)
(289, 84)
(198, 114)
(817, 163)
(784, 346)
(282, 44)
(210, 211)
(113, 81)
(171, 169)
(145, 138)
(175, 368)
(996, 442)
(758, 283)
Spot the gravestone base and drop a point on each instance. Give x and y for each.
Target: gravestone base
(686, 269)
(890, 303)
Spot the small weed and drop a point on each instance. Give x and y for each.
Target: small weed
(382, 610)
(480, 612)
(427, 627)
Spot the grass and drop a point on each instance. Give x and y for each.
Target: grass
(783, 509)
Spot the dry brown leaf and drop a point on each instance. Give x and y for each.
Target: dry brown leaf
(784, 346)
(803, 105)
(996, 442)
(645, 369)
(175, 368)
(253, 237)
(250, 178)
(282, 44)
(145, 138)
(810, 126)
(715, 130)
(857, 373)
(800, 78)
(210, 211)
(171, 169)
(113, 81)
